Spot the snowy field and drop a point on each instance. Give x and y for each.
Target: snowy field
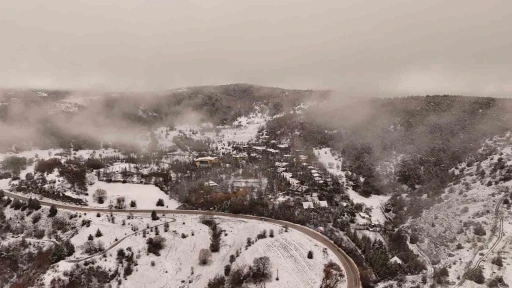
(178, 265)
(145, 195)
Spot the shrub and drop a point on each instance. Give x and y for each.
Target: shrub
(120, 203)
(498, 261)
(155, 244)
(332, 275)
(154, 217)
(476, 275)
(227, 270)
(36, 217)
(33, 204)
(160, 202)
(479, 230)
(53, 211)
(204, 256)
(128, 270)
(16, 204)
(262, 235)
(98, 233)
(310, 254)
(236, 278)
(218, 281)
(58, 223)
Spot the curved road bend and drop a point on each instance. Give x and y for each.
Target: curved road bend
(352, 273)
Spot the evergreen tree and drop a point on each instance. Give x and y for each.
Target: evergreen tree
(53, 211)
(154, 217)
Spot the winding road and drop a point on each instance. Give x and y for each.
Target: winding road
(352, 273)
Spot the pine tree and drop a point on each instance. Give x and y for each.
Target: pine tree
(154, 217)
(53, 211)
(98, 233)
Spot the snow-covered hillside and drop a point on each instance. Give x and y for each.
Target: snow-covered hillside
(333, 165)
(472, 226)
(178, 264)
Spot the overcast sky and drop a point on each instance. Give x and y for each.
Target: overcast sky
(381, 47)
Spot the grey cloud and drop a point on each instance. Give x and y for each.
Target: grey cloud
(381, 48)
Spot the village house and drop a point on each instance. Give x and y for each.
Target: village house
(248, 183)
(212, 184)
(206, 162)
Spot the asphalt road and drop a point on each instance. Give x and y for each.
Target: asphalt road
(352, 273)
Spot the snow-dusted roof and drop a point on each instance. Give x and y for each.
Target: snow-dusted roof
(307, 205)
(395, 260)
(208, 158)
(323, 204)
(211, 183)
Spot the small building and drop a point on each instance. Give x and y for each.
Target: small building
(307, 205)
(322, 204)
(248, 183)
(206, 161)
(396, 260)
(211, 184)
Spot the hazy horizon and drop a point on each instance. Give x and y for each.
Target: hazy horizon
(370, 48)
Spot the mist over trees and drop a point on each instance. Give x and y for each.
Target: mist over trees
(432, 134)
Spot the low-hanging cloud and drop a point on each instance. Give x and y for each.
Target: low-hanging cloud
(372, 48)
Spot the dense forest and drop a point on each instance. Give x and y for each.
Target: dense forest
(423, 137)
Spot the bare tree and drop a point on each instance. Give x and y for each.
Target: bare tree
(204, 256)
(333, 274)
(261, 269)
(120, 203)
(100, 195)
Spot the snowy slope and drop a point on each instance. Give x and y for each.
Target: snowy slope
(287, 252)
(331, 163)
